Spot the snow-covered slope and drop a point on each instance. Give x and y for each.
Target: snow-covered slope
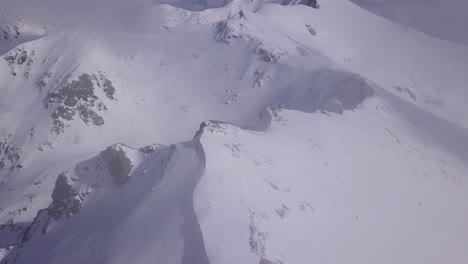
(14, 31)
(341, 138)
(328, 188)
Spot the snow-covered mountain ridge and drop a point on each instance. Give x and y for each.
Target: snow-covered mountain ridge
(339, 132)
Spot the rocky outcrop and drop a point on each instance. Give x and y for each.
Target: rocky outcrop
(18, 59)
(267, 54)
(66, 198)
(311, 3)
(151, 148)
(9, 32)
(118, 164)
(79, 99)
(9, 155)
(228, 31)
(71, 189)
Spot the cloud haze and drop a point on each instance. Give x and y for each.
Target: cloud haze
(445, 19)
(89, 13)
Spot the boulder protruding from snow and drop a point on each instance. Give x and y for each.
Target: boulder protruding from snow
(9, 155)
(66, 198)
(118, 164)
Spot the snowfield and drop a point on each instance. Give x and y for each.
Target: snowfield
(311, 186)
(336, 136)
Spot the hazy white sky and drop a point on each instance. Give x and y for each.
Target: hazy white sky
(446, 19)
(103, 14)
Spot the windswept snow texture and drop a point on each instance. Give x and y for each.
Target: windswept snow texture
(312, 185)
(336, 136)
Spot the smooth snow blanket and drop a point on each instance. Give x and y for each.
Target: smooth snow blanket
(326, 188)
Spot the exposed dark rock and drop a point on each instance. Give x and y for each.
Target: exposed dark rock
(406, 90)
(81, 89)
(63, 112)
(283, 211)
(22, 57)
(63, 189)
(226, 32)
(9, 32)
(311, 3)
(434, 102)
(18, 58)
(265, 55)
(10, 59)
(108, 88)
(10, 234)
(58, 126)
(66, 199)
(311, 30)
(9, 155)
(43, 81)
(118, 164)
(150, 149)
(5, 35)
(41, 221)
(78, 98)
(90, 116)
